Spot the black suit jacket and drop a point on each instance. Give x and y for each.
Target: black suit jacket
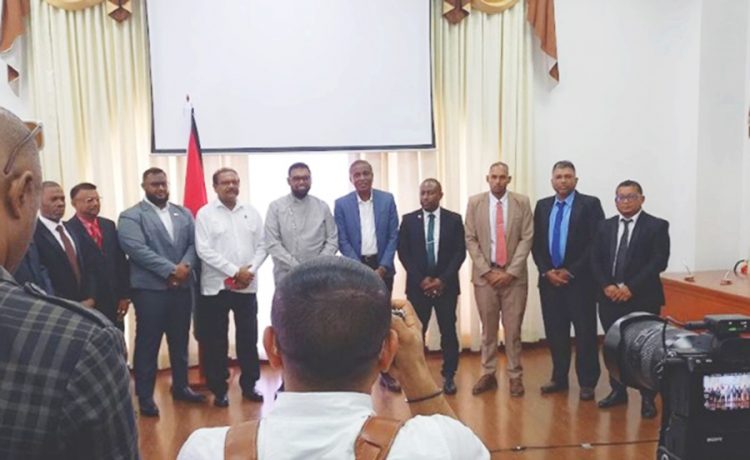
(647, 257)
(52, 257)
(585, 216)
(412, 251)
(109, 264)
(31, 270)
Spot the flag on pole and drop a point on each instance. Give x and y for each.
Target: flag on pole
(195, 187)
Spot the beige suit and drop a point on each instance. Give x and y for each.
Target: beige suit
(511, 299)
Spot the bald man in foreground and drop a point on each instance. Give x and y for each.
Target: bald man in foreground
(62, 366)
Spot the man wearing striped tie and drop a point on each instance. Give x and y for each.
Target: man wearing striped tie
(499, 234)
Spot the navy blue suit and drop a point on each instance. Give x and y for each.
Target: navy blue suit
(31, 270)
(346, 214)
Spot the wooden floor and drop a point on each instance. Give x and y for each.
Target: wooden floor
(549, 427)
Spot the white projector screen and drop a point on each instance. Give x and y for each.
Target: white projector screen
(267, 76)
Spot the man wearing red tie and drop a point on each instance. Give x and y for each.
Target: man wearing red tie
(499, 233)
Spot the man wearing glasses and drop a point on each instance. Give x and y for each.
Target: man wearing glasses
(630, 250)
(65, 380)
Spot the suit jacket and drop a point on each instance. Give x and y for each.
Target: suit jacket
(346, 214)
(109, 264)
(153, 255)
(52, 256)
(585, 216)
(31, 270)
(647, 257)
(519, 233)
(451, 251)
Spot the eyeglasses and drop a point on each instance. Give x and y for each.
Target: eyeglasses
(35, 133)
(629, 197)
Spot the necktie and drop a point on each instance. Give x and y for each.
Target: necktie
(94, 232)
(71, 253)
(431, 241)
(556, 253)
(501, 252)
(622, 252)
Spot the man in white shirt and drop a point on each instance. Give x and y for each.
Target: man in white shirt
(331, 333)
(229, 243)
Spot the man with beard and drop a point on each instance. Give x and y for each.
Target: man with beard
(299, 226)
(102, 253)
(158, 237)
(229, 242)
(60, 251)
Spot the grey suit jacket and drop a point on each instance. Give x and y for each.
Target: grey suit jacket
(151, 252)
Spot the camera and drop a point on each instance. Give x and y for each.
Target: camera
(703, 378)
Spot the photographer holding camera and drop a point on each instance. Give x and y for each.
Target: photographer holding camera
(629, 252)
(332, 333)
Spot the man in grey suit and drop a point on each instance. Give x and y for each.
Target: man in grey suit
(159, 239)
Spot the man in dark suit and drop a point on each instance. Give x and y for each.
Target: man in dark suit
(31, 270)
(564, 226)
(367, 222)
(630, 250)
(159, 239)
(431, 247)
(60, 251)
(101, 251)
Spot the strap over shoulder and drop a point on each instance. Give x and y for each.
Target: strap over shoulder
(376, 438)
(241, 442)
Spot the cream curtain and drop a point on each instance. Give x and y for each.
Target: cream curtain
(89, 83)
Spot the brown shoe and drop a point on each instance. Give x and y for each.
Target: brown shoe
(516, 387)
(486, 382)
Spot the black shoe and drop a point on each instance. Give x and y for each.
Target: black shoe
(615, 398)
(188, 395)
(221, 400)
(586, 394)
(449, 386)
(648, 408)
(252, 395)
(553, 387)
(148, 408)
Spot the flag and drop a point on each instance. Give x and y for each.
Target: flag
(195, 187)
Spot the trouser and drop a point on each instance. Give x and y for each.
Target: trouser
(372, 262)
(213, 313)
(445, 311)
(158, 313)
(609, 313)
(508, 303)
(561, 307)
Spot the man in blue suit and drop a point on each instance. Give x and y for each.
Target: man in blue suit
(159, 239)
(367, 222)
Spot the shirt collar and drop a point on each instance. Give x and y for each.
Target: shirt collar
(634, 218)
(219, 205)
(361, 201)
(6, 276)
(426, 214)
(568, 199)
(156, 208)
(320, 404)
(50, 224)
(503, 199)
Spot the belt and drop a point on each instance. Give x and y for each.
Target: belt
(370, 258)
(493, 265)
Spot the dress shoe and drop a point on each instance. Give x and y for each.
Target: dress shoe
(148, 408)
(188, 395)
(553, 387)
(485, 383)
(449, 386)
(648, 408)
(221, 400)
(615, 398)
(516, 387)
(389, 383)
(252, 395)
(586, 394)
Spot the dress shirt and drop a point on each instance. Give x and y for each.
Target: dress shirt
(225, 240)
(493, 217)
(367, 226)
(325, 425)
(164, 216)
(564, 224)
(621, 230)
(435, 231)
(297, 231)
(52, 227)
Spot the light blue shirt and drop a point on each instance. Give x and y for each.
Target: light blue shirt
(563, 225)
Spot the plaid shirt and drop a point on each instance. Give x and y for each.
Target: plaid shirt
(64, 383)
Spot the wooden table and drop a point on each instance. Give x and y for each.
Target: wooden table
(691, 301)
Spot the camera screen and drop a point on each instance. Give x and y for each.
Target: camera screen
(726, 392)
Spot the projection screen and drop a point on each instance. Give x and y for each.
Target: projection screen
(267, 76)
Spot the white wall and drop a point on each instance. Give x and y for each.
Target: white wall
(656, 92)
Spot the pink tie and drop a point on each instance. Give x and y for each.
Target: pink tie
(501, 252)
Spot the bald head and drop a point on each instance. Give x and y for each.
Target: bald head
(20, 188)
